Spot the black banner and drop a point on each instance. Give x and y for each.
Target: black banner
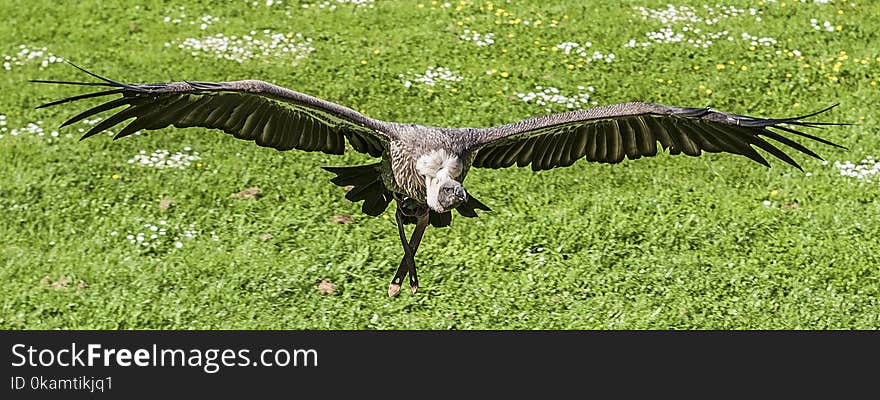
(111, 364)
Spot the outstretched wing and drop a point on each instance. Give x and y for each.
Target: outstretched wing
(270, 115)
(632, 130)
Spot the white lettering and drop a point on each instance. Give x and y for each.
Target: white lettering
(16, 353)
(142, 357)
(94, 353)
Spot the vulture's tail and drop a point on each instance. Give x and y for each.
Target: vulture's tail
(366, 184)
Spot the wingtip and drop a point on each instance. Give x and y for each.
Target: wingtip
(107, 80)
(813, 114)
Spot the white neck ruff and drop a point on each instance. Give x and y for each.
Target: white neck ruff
(438, 167)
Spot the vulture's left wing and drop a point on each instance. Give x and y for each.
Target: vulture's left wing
(632, 130)
(270, 115)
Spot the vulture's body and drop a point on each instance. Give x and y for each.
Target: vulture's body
(422, 168)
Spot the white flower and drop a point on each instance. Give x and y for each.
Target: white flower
(432, 76)
(165, 159)
(867, 170)
(333, 5)
(552, 95)
(254, 45)
(478, 38)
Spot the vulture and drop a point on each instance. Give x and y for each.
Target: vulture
(423, 168)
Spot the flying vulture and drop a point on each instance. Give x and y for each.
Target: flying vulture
(422, 168)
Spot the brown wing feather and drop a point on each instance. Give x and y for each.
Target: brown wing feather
(632, 130)
(269, 115)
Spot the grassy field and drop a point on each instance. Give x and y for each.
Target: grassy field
(715, 242)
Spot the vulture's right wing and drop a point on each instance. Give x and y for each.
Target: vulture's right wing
(270, 115)
(632, 130)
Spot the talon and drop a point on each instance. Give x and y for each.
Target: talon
(394, 289)
(414, 288)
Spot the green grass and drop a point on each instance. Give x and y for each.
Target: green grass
(660, 243)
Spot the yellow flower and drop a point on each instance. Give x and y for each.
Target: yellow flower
(364, 62)
(744, 68)
(504, 74)
(696, 67)
(115, 176)
(708, 91)
(720, 66)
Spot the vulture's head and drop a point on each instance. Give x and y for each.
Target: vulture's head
(451, 195)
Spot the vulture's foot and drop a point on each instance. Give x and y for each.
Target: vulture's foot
(408, 263)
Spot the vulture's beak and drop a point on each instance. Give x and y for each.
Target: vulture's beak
(460, 194)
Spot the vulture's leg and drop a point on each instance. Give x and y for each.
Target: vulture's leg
(408, 264)
(408, 256)
(414, 242)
